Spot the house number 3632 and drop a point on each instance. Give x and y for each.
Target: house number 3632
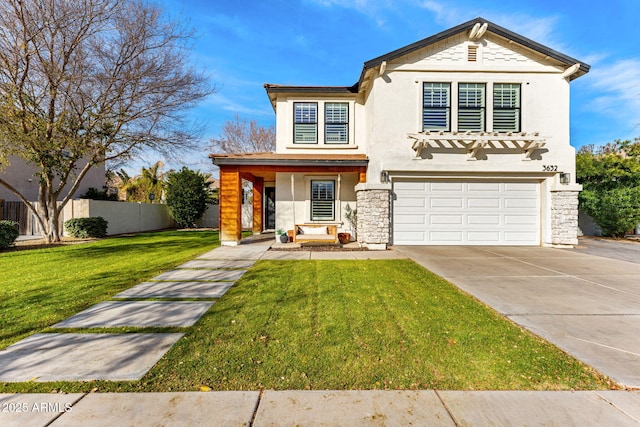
(550, 168)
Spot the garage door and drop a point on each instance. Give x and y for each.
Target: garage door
(466, 213)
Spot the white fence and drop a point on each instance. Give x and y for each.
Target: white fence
(126, 217)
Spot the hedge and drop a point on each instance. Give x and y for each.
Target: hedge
(86, 227)
(8, 233)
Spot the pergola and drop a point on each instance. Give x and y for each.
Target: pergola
(259, 168)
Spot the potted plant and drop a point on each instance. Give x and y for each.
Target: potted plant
(283, 235)
(351, 215)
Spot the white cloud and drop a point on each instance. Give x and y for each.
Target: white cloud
(616, 90)
(446, 15)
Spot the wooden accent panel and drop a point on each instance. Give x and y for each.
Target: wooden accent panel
(230, 205)
(362, 177)
(258, 190)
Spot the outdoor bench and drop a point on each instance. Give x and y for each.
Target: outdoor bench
(315, 233)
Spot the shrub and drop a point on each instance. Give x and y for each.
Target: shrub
(187, 195)
(615, 210)
(86, 227)
(95, 194)
(8, 233)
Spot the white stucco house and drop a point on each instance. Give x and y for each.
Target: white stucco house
(458, 139)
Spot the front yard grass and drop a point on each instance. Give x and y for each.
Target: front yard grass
(351, 325)
(41, 287)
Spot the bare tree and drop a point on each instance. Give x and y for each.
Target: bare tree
(83, 82)
(238, 136)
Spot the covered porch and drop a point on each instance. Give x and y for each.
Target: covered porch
(284, 183)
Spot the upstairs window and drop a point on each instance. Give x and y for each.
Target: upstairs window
(305, 127)
(471, 107)
(322, 200)
(336, 117)
(506, 107)
(436, 107)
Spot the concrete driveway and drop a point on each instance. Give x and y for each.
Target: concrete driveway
(587, 305)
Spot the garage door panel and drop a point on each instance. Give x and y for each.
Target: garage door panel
(484, 237)
(483, 219)
(436, 202)
(484, 186)
(519, 237)
(530, 187)
(528, 203)
(447, 219)
(445, 237)
(520, 220)
(412, 237)
(484, 203)
(448, 212)
(410, 186)
(411, 201)
(410, 219)
(446, 186)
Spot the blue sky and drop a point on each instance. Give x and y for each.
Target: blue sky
(242, 45)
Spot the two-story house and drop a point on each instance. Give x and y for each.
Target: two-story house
(458, 139)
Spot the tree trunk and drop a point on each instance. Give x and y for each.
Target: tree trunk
(48, 210)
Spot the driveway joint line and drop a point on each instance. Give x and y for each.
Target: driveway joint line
(453, 418)
(604, 346)
(54, 419)
(617, 407)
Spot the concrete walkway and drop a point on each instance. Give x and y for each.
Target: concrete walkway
(500, 273)
(72, 356)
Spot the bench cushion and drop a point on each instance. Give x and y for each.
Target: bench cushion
(314, 230)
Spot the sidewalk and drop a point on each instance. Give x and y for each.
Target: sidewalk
(208, 278)
(324, 408)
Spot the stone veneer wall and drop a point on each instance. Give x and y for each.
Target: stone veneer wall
(374, 209)
(564, 217)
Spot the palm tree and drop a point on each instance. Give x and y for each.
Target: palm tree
(152, 182)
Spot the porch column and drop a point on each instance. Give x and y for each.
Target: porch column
(374, 215)
(564, 218)
(258, 191)
(230, 207)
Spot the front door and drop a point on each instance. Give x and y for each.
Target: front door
(270, 208)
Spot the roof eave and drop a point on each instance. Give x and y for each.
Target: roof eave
(273, 90)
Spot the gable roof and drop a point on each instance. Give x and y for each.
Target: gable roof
(273, 90)
(467, 26)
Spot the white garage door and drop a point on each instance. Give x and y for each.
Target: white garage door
(442, 212)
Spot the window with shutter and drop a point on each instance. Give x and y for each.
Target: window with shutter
(436, 106)
(322, 200)
(471, 107)
(506, 107)
(336, 117)
(305, 127)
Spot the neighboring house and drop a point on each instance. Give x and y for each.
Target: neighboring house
(22, 176)
(458, 139)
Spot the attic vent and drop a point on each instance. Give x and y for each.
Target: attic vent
(472, 53)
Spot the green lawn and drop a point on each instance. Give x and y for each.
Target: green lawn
(41, 287)
(351, 325)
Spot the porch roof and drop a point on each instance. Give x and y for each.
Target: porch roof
(266, 165)
(294, 160)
